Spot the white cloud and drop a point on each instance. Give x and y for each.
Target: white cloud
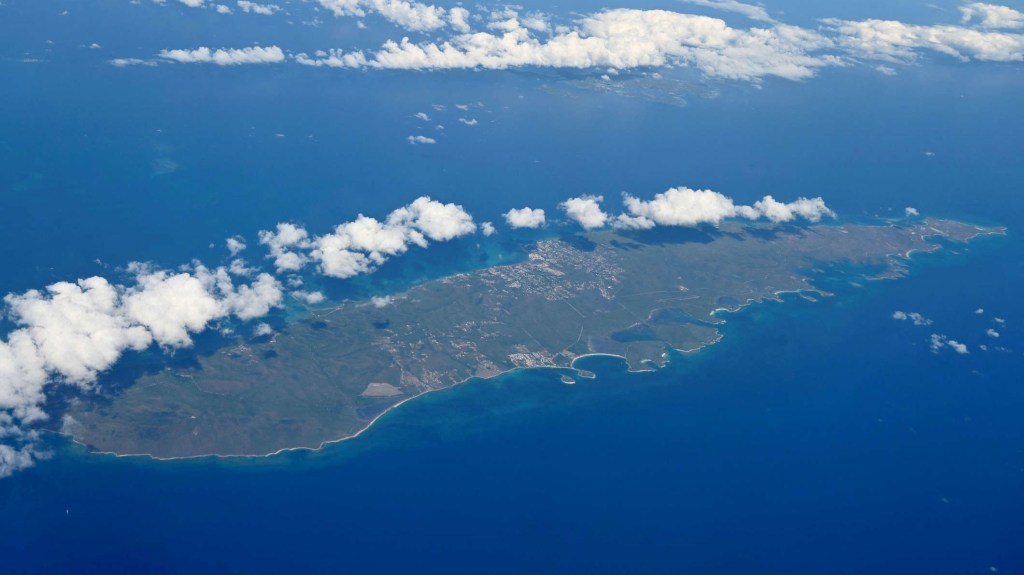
(458, 17)
(282, 244)
(749, 10)
(535, 21)
(222, 9)
(487, 229)
(992, 16)
(437, 221)
(239, 267)
(586, 211)
(192, 3)
(360, 246)
(71, 332)
(421, 116)
(77, 329)
(262, 330)
(171, 306)
(411, 15)
(620, 39)
(381, 301)
(999, 320)
(226, 56)
(810, 209)
(469, 122)
(123, 62)
(312, 298)
(688, 207)
(911, 212)
(13, 460)
(894, 41)
(421, 140)
(992, 333)
(525, 218)
(938, 342)
(235, 245)
(253, 7)
(914, 317)
(957, 346)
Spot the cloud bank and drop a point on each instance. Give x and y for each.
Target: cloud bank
(413, 16)
(362, 245)
(896, 42)
(71, 332)
(992, 16)
(225, 56)
(624, 39)
(620, 38)
(690, 208)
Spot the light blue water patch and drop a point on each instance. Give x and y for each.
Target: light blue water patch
(791, 447)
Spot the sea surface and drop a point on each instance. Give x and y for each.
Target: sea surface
(817, 437)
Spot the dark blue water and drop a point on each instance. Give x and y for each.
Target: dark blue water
(816, 438)
(792, 447)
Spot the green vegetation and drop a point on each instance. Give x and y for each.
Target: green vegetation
(630, 294)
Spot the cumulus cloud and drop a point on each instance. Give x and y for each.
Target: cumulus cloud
(312, 298)
(992, 333)
(688, 207)
(262, 330)
(458, 17)
(225, 56)
(381, 301)
(620, 39)
(421, 140)
(957, 346)
(894, 41)
(360, 246)
(71, 332)
(992, 16)
(586, 211)
(254, 8)
(411, 15)
(13, 459)
(914, 317)
(525, 218)
(810, 209)
(192, 3)
(235, 245)
(437, 221)
(749, 10)
(911, 212)
(938, 342)
(487, 229)
(124, 62)
(283, 245)
(469, 121)
(421, 116)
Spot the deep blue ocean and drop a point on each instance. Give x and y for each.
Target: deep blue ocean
(817, 438)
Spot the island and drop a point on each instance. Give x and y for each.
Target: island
(636, 295)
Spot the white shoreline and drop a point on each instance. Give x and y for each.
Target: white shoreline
(585, 374)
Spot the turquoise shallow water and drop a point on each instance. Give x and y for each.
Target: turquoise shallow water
(816, 438)
(791, 447)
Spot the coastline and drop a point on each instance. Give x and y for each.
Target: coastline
(895, 261)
